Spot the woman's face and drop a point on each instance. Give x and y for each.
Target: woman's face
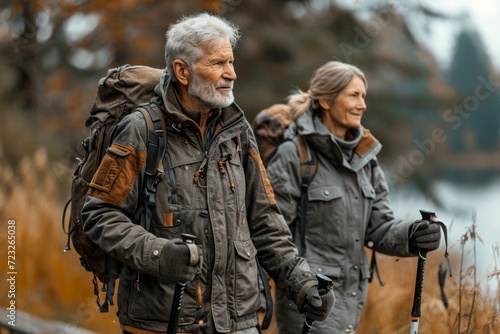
(346, 111)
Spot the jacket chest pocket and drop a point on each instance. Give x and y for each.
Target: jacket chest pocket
(368, 191)
(335, 273)
(180, 220)
(326, 214)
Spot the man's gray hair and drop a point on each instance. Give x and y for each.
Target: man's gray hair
(186, 37)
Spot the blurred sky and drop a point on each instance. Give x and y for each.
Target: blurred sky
(440, 34)
(484, 16)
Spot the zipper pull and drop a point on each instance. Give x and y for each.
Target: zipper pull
(200, 173)
(137, 282)
(199, 295)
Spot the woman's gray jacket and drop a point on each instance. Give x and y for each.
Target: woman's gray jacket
(230, 208)
(348, 207)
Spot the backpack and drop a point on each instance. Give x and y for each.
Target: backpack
(123, 90)
(269, 126)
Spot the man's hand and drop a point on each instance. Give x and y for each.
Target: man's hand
(424, 235)
(178, 261)
(318, 307)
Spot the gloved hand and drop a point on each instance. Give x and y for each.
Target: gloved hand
(318, 307)
(424, 235)
(178, 261)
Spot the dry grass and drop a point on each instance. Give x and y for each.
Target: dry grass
(49, 283)
(52, 284)
(470, 309)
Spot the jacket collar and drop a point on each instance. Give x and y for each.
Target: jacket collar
(317, 134)
(367, 149)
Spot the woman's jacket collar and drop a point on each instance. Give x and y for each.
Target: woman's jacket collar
(310, 127)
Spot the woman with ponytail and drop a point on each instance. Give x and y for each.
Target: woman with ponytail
(347, 199)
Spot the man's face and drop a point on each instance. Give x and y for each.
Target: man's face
(213, 75)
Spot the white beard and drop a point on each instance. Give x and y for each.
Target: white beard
(208, 94)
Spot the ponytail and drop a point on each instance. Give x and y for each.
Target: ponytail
(299, 103)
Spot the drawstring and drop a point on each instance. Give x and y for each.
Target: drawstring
(200, 173)
(223, 168)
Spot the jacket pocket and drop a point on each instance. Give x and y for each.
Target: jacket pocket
(111, 166)
(368, 191)
(336, 274)
(152, 302)
(325, 193)
(326, 212)
(246, 278)
(171, 224)
(324, 269)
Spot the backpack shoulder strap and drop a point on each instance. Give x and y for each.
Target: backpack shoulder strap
(243, 138)
(157, 138)
(373, 261)
(308, 160)
(308, 166)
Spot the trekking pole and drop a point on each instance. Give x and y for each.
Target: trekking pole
(324, 285)
(419, 283)
(178, 294)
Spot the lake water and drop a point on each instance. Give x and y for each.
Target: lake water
(458, 204)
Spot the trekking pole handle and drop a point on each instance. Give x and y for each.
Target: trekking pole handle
(178, 294)
(325, 284)
(419, 282)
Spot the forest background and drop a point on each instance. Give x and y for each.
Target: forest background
(439, 125)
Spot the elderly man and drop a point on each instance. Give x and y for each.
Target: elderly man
(213, 186)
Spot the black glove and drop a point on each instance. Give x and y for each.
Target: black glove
(178, 262)
(318, 307)
(424, 235)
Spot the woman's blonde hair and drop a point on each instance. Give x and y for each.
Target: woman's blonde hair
(328, 81)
